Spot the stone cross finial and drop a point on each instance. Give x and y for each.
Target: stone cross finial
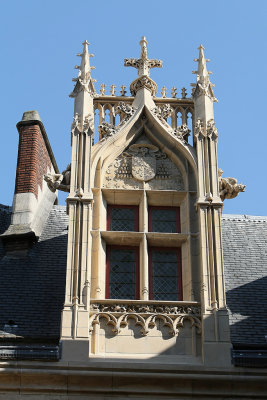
(142, 64)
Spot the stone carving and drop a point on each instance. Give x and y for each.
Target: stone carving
(145, 315)
(183, 93)
(204, 89)
(164, 92)
(106, 130)
(125, 110)
(182, 132)
(162, 113)
(59, 181)
(82, 126)
(228, 187)
(143, 164)
(143, 161)
(199, 129)
(112, 90)
(143, 82)
(203, 85)
(212, 131)
(103, 89)
(123, 91)
(174, 92)
(142, 64)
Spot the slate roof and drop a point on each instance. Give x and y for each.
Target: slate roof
(32, 287)
(245, 265)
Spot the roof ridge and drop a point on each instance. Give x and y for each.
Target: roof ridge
(245, 217)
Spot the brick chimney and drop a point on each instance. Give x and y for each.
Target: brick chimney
(32, 200)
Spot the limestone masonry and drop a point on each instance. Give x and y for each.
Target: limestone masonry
(140, 287)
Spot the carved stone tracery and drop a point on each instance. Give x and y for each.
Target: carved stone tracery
(145, 315)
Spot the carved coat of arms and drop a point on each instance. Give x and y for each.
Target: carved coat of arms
(144, 164)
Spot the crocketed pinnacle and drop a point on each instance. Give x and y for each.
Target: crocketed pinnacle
(84, 79)
(202, 72)
(203, 79)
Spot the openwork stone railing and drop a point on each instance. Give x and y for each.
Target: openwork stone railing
(145, 313)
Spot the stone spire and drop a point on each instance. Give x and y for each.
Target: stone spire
(143, 65)
(203, 85)
(84, 87)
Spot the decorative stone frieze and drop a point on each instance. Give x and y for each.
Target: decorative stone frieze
(145, 315)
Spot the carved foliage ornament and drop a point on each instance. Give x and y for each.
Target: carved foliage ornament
(85, 125)
(145, 316)
(126, 111)
(204, 88)
(210, 131)
(182, 132)
(143, 82)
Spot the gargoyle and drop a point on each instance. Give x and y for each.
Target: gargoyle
(228, 187)
(59, 181)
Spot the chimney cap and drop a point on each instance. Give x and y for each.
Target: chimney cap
(32, 115)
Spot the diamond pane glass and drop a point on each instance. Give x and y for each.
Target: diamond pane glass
(164, 220)
(122, 219)
(165, 275)
(122, 274)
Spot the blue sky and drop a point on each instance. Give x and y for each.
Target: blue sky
(40, 40)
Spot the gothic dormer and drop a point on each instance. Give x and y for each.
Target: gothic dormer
(145, 270)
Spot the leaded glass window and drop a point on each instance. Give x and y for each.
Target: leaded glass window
(164, 219)
(122, 218)
(122, 278)
(165, 274)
